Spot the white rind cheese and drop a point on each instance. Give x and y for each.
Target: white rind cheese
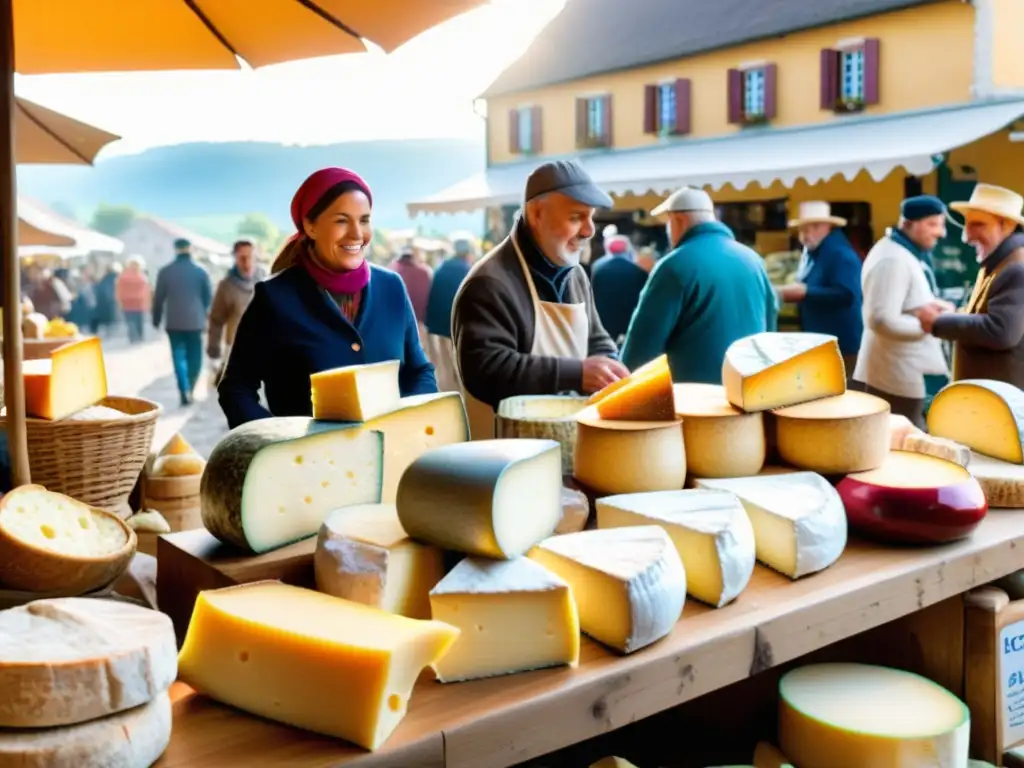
(939, 447)
(798, 518)
(629, 456)
(721, 440)
(987, 416)
(710, 530)
(1001, 481)
(629, 583)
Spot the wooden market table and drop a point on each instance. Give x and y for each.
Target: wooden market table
(507, 720)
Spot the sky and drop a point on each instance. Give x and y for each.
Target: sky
(425, 89)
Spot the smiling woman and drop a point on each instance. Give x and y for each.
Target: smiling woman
(325, 307)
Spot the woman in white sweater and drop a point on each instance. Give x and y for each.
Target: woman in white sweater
(897, 281)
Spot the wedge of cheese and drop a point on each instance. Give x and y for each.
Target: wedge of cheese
(835, 435)
(1000, 481)
(858, 715)
(645, 395)
(69, 660)
(628, 456)
(575, 511)
(721, 440)
(273, 481)
(363, 554)
(899, 428)
(355, 392)
(775, 370)
(939, 447)
(710, 530)
(73, 377)
(134, 738)
(986, 416)
(629, 583)
(281, 652)
(798, 518)
(178, 446)
(513, 615)
(491, 498)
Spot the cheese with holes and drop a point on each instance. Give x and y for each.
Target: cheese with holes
(628, 456)
(73, 377)
(418, 424)
(645, 395)
(939, 447)
(798, 518)
(69, 660)
(1001, 481)
(710, 530)
(774, 370)
(629, 583)
(721, 440)
(491, 498)
(355, 392)
(858, 715)
(50, 542)
(309, 660)
(273, 481)
(134, 738)
(514, 616)
(835, 435)
(363, 554)
(987, 416)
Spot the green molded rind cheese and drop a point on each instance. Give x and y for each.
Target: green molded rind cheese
(491, 498)
(273, 481)
(985, 415)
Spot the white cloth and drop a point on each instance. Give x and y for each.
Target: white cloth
(895, 352)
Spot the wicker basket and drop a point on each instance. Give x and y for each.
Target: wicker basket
(96, 461)
(549, 417)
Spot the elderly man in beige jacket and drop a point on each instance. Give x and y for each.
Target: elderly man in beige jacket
(898, 284)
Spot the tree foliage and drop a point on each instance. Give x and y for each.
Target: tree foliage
(112, 220)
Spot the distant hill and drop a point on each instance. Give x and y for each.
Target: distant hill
(209, 187)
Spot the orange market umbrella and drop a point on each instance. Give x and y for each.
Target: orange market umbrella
(49, 36)
(29, 234)
(44, 136)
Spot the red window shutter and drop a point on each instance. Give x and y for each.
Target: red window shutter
(581, 122)
(513, 131)
(871, 70)
(771, 90)
(537, 130)
(606, 125)
(650, 109)
(682, 87)
(735, 96)
(829, 78)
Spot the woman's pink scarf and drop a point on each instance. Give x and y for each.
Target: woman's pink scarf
(350, 281)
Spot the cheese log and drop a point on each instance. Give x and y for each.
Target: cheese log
(273, 481)
(899, 428)
(71, 659)
(721, 440)
(363, 554)
(836, 435)
(939, 447)
(178, 465)
(355, 392)
(710, 531)
(514, 616)
(858, 715)
(73, 377)
(50, 542)
(178, 446)
(913, 498)
(774, 370)
(1001, 481)
(132, 739)
(798, 518)
(491, 498)
(645, 395)
(629, 583)
(309, 660)
(575, 511)
(986, 416)
(629, 456)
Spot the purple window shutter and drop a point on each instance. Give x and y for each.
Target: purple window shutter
(682, 106)
(771, 91)
(537, 129)
(872, 49)
(606, 126)
(829, 78)
(650, 109)
(513, 132)
(735, 96)
(581, 122)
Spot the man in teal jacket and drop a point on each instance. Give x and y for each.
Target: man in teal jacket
(704, 295)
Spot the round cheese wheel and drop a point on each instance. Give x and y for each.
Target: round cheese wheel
(859, 715)
(835, 435)
(914, 498)
(1002, 482)
(721, 440)
(541, 417)
(629, 456)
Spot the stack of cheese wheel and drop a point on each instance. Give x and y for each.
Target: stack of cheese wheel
(170, 487)
(85, 683)
(543, 418)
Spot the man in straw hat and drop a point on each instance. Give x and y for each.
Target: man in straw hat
(827, 289)
(988, 334)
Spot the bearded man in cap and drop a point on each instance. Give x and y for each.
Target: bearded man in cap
(898, 285)
(524, 321)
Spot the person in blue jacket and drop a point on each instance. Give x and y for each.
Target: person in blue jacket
(827, 287)
(324, 307)
(447, 279)
(617, 281)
